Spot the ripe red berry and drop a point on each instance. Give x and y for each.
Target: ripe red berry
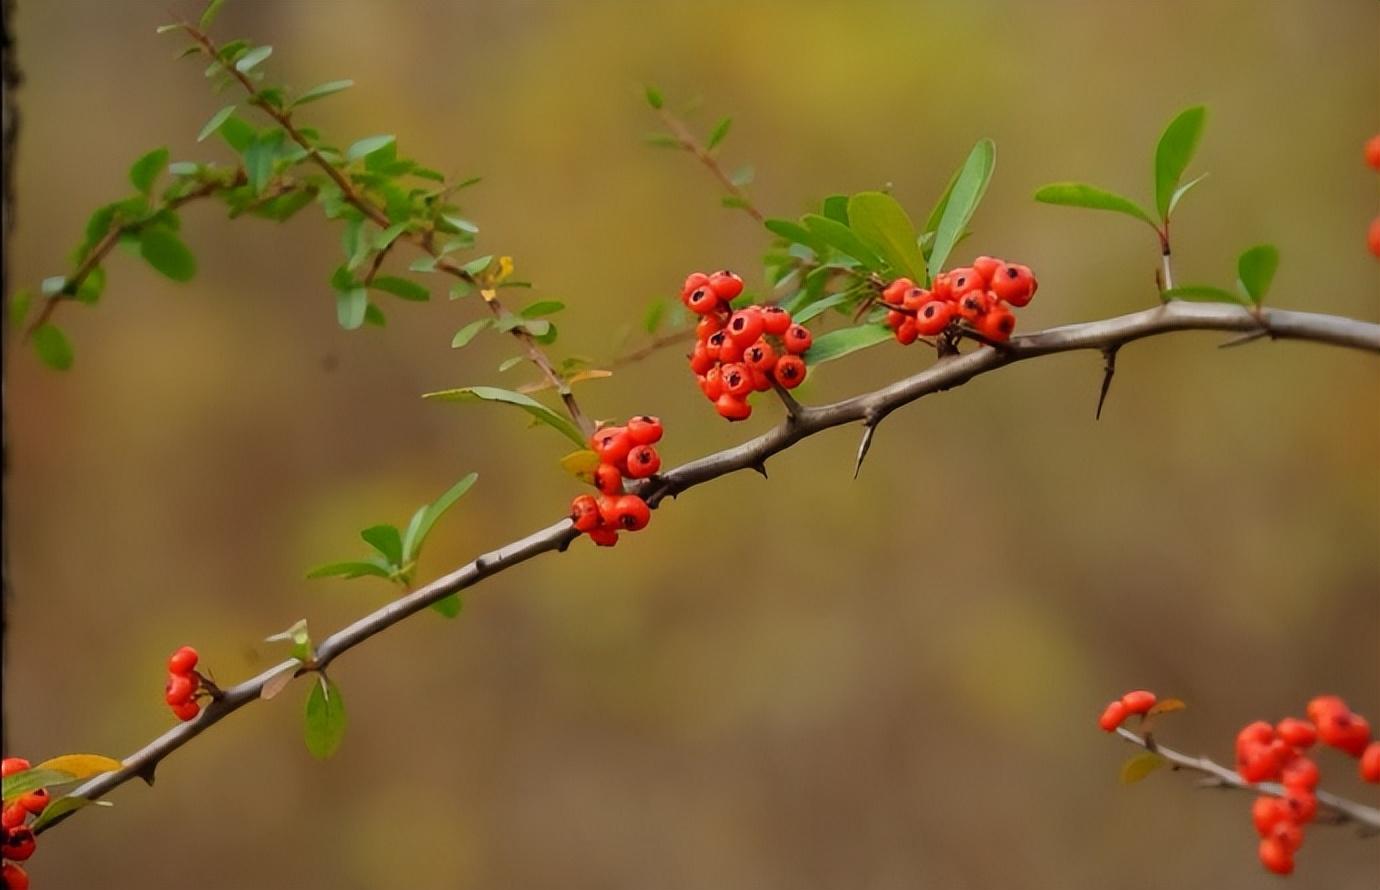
(907, 332)
(702, 300)
(1370, 762)
(643, 461)
(1267, 812)
(1300, 772)
(745, 326)
(604, 536)
(737, 382)
(724, 347)
(1345, 731)
(1373, 236)
(1014, 283)
(1302, 804)
(645, 430)
(733, 407)
(612, 444)
(997, 324)
(584, 512)
(965, 280)
(895, 291)
(701, 359)
(725, 284)
(761, 380)
(693, 282)
(13, 815)
(1138, 701)
(712, 384)
(608, 479)
(179, 689)
(1324, 704)
(1288, 834)
(933, 317)
(1276, 857)
(986, 267)
(12, 765)
(1373, 152)
(760, 356)
(974, 304)
(1261, 763)
(183, 661)
(20, 844)
(1253, 735)
(915, 298)
(942, 287)
(187, 710)
(35, 800)
(15, 877)
(632, 513)
(790, 371)
(775, 320)
(1299, 733)
(708, 324)
(1112, 716)
(797, 339)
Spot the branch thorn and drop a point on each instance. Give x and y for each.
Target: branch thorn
(1109, 369)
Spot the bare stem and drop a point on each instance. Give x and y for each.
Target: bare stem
(688, 142)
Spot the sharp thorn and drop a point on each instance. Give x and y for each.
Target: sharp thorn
(146, 773)
(761, 467)
(1109, 370)
(863, 446)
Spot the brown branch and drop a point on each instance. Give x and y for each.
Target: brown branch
(867, 408)
(1341, 809)
(688, 142)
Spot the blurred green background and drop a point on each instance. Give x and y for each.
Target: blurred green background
(807, 682)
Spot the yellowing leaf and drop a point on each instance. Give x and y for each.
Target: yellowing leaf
(1165, 706)
(581, 464)
(1140, 766)
(578, 377)
(82, 766)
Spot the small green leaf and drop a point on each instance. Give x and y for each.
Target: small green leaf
(163, 250)
(1183, 190)
(837, 344)
(541, 307)
(249, 60)
(321, 91)
(1139, 766)
(842, 239)
(368, 146)
(1079, 194)
(144, 172)
(459, 223)
(967, 192)
(742, 176)
(92, 286)
(425, 518)
(1255, 270)
(386, 540)
(449, 606)
(259, 157)
(373, 315)
(526, 403)
(654, 97)
(880, 220)
(651, 319)
(797, 234)
(299, 637)
(352, 569)
(820, 306)
(61, 806)
(325, 718)
(21, 783)
(460, 289)
(387, 236)
(52, 347)
(401, 287)
(719, 133)
(20, 301)
(1202, 293)
(469, 332)
(350, 307)
(508, 364)
(1174, 152)
(237, 133)
(209, 16)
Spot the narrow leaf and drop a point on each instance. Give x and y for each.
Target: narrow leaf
(448, 606)
(967, 193)
(321, 91)
(401, 287)
(530, 405)
(52, 347)
(350, 307)
(654, 97)
(61, 806)
(1174, 152)
(249, 60)
(1183, 190)
(82, 766)
(1166, 706)
(209, 16)
(418, 530)
(469, 332)
(880, 220)
(368, 146)
(1139, 766)
(797, 234)
(842, 239)
(386, 540)
(819, 306)
(325, 718)
(1255, 269)
(259, 157)
(837, 344)
(1079, 194)
(23, 782)
(581, 464)
(719, 133)
(357, 569)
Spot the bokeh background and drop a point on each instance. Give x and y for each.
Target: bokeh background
(807, 682)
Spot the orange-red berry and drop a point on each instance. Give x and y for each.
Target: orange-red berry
(608, 479)
(584, 512)
(896, 290)
(1370, 762)
(645, 430)
(942, 287)
(13, 815)
(997, 324)
(1267, 812)
(1373, 152)
(187, 710)
(1138, 701)
(1013, 283)
(712, 384)
(12, 765)
(1373, 236)
(1253, 735)
(693, 282)
(702, 300)
(1302, 804)
(631, 513)
(986, 267)
(725, 284)
(1345, 731)
(1276, 857)
(604, 536)
(643, 461)
(179, 688)
(20, 844)
(797, 339)
(965, 280)
(15, 877)
(933, 317)
(35, 801)
(731, 407)
(1112, 716)
(974, 304)
(907, 331)
(760, 356)
(745, 326)
(1300, 772)
(790, 371)
(183, 661)
(1299, 733)
(612, 444)
(1324, 704)
(737, 382)
(775, 320)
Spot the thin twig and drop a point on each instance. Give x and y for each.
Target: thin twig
(688, 142)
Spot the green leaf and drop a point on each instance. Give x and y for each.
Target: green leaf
(92, 286)
(61, 806)
(249, 60)
(20, 301)
(651, 319)
(662, 140)
(350, 307)
(425, 518)
(469, 332)
(719, 133)
(835, 207)
(144, 172)
(654, 97)
(820, 306)
(1255, 270)
(1080, 194)
(531, 406)
(52, 347)
(1183, 190)
(163, 250)
(299, 637)
(237, 133)
(459, 223)
(1174, 152)
(837, 344)
(23, 782)
(368, 146)
(373, 315)
(387, 236)
(386, 540)
(1202, 293)
(401, 287)
(460, 289)
(541, 307)
(880, 220)
(449, 606)
(797, 234)
(325, 718)
(1139, 766)
(209, 16)
(842, 239)
(964, 198)
(321, 91)
(350, 569)
(508, 364)
(259, 157)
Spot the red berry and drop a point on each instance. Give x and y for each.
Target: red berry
(12, 765)
(15, 877)
(1276, 857)
(187, 710)
(1112, 716)
(760, 356)
(1345, 731)
(1288, 834)
(1014, 283)
(895, 291)
(1370, 762)
(1303, 806)
(13, 815)
(1299, 772)
(1138, 701)
(974, 304)
(797, 339)
(724, 347)
(745, 326)
(20, 844)
(712, 384)
(1373, 152)
(790, 371)
(933, 317)
(1261, 763)
(612, 444)
(915, 298)
(693, 282)
(604, 536)
(645, 430)
(1253, 735)
(35, 800)
(737, 382)
(643, 461)
(702, 301)
(584, 512)
(1299, 733)
(179, 689)
(631, 513)
(1267, 812)
(997, 324)
(986, 267)
(733, 407)
(725, 284)
(965, 280)
(1373, 236)
(183, 661)
(942, 287)
(775, 320)
(907, 332)
(702, 359)
(1324, 704)
(608, 479)
(707, 325)
(761, 381)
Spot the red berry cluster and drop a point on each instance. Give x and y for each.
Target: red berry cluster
(183, 684)
(980, 294)
(1373, 160)
(739, 353)
(624, 452)
(19, 842)
(1138, 701)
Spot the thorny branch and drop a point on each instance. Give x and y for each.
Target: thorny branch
(946, 373)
